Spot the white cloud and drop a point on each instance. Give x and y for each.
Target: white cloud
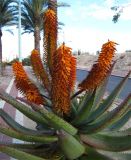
(10, 45)
(68, 12)
(91, 39)
(126, 15)
(109, 2)
(101, 12)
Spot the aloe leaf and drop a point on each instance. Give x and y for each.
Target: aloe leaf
(74, 107)
(13, 124)
(121, 122)
(26, 137)
(117, 133)
(21, 146)
(57, 122)
(108, 142)
(92, 154)
(95, 156)
(73, 110)
(40, 150)
(70, 146)
(86, 106)
(19, 155)
(109, 101)
(37, 149)
(84, 101)
(107, 118)
(75, 102)
(117, 156)
(23, 108)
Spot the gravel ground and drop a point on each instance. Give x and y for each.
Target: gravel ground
(121, 68)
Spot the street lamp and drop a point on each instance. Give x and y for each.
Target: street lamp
(19, 32)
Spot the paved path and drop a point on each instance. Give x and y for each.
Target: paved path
(117, 73)
(10, 88)
(7, 83)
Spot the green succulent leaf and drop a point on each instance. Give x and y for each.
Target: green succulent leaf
(26, 137)
(23, 108)
(19, 155)
(21, 145)
(13, 124)
(70, 146)
(75, 102)
(73, 110)
(121, 122)
(93, 154)
(117, 156)
(57, 122)
(83, 101)
(105, 141)
(74, 107)
(107, 118)
(109, 101)
(85, 108)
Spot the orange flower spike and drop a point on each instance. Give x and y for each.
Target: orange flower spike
(50, 36)
(49, 21)
(21, 78)
(24, 84)
(72, 77)
(38, 68)
(101, 68)
(60, 80)
(34, 96)
(107, 53)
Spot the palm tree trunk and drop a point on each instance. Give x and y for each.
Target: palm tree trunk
(37, 38)
(53, 5)
(0, 51)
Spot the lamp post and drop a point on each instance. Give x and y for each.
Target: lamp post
(19, 32)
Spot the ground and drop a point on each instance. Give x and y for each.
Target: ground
(7, 83)
(121, 68)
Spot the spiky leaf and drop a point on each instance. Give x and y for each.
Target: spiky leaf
(70, 145)
(120, 122)
(13, 124)
(108, 142)
(19, 155)
(109, 100)
(22, 108)
(107, 118)
(26, 137)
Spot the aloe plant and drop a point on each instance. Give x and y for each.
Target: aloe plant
(73, 124)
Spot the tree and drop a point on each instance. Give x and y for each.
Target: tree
(32, 14)
(118, 11)
(7, 18)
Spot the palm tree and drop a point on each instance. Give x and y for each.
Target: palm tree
(32, 14)
(7, 18)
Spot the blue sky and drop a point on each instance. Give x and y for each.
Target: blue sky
(88, 24)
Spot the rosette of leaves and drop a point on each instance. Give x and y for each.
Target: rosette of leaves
(80, 124)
